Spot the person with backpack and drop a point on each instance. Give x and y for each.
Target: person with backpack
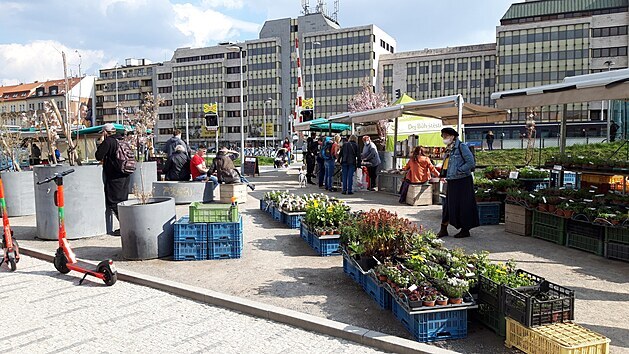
(173, 142)
(118, 162)
(350, 161)
(459, 209)
(177, 167)
(328, 152)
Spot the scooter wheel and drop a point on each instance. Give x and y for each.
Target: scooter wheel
(12, 264)
(16, 250)
(110, 276)
(60, 261)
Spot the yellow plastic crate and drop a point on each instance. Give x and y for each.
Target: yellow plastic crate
(557, 338)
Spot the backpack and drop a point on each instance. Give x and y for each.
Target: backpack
(125, 158)
(326, 152)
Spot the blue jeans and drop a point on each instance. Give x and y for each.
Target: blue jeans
(212, 178)
(348, 177)
(321, 171)
(329, 173)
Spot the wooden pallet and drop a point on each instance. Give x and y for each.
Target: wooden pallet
(518, 220)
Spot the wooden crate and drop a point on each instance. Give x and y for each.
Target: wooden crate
(518, 220)
(419, 194)
(229, 190)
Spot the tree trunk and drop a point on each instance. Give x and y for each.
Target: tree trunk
(72, 153)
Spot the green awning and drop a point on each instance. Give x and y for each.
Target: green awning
(333, 127)
(120, 128)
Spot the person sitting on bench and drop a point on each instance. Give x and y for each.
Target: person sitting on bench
(198, 168)
(225, 170)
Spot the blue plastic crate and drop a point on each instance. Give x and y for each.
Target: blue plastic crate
(190, 251)
(377, 293)
(489, 213)
(263, 204)
(326, 247)
(277, 214)
(185, 231)
(306, 234)
(292, 220)
(433, 326)
(225, 231)
(225, 249)
(352, 271)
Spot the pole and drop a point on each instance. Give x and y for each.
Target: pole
(460, 120)
(117, 113)
(313, 80)
(242, 119)
(219, 126)
(187, 129)
(264, 114)
(394, 166)
(562, 136)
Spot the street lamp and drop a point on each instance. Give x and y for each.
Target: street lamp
(233, 47)
(313, 78)
(268, 101)
(609, 64)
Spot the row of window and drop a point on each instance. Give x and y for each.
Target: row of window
(609, 31)
(165, 89)
(262, 51)
(164, 76)
(121, 97)
(212, 70)
(545, 57)
(265, 66)
(339, 42)
(198, 86)
(230, 55)
(436, 67)
(265, 81)
(340, 58)
(609, 52)
(387, 46)
(549, 76)
(450, 85)
(126, 73)
(561, 35)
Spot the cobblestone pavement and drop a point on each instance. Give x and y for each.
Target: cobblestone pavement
(53, 314)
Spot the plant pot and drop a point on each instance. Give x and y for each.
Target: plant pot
(84, 196)
(428, 303)
(568, 214)
(441, 302)
(19, 193)
(143, 177)
(414, 303)
(552, 208)
(382, 278)
(147, 229)
(185, 192)
(456, 301)
(542, 207)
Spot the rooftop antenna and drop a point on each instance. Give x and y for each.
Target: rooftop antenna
(321, 5)
(305, 7)
(336, 11)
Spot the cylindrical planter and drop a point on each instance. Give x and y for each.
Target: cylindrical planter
(144, 172)
(147, 229)
(19, 193)
(185, 192)
(84, 202)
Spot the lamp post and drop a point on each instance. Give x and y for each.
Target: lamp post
(313, 78)
(268, 101)
(609, 64)
(117, 108)
(233, 47)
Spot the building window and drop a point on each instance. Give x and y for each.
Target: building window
(609, 31)
(461, 67)
(165, 116)
(165, 89)
(436, 86)
(449, 67)
(167, 103)
(436, 68)
(609, 52)
(411, 70)
(449, 85)
(165, 76)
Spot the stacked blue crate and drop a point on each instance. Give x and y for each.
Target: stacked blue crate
(190, 240)
(225, 240)
(433, 326)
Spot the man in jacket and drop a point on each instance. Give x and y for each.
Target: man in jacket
(177, 167)
(311, 154)
(116, 182)
(371, 159)
(172, 143)
(350, 160)
(225, 170)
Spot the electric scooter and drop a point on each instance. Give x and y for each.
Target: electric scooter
(9, 243)
(65, 260)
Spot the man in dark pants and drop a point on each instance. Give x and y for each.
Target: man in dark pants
(116, 182)
(320, 161)
(311, 156)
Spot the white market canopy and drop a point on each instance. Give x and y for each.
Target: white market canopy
(608, 85)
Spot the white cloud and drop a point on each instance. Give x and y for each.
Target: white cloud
(228, 4)
(41, 60)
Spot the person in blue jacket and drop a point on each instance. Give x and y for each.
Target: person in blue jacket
(459, 209)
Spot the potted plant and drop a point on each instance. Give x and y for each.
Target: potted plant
(414, 300)
(454, 289)
(441, 300)
(429, 297)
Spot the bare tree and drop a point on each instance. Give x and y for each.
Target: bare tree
(10, 139)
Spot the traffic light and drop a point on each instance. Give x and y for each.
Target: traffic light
(211, 120)
(398, 94)
(306, 115)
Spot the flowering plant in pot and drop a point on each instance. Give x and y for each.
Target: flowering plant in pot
(429, 296)
(454, 289)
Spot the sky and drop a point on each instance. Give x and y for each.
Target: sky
(97, 34)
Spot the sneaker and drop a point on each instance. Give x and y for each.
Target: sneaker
(115, 232)
(350, 193)
(343, 192)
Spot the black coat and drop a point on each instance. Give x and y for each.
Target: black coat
(350, 154)
(171, 144)
(106, 153)
(177, 167)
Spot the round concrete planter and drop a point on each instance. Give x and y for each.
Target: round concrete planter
(84, 202)
(146, 171)
(184, 192)
(19, 193)
(147, 229)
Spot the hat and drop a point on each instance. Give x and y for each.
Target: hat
(449, 131)
(109, 127)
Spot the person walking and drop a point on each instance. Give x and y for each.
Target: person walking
(177, 167)
(419, 168)
(287, 146)
(613, 129)
(371, 159)
(490, 140)
(115, 181)
(321, 161)
(172, 143)
(311, 156)
(350, 161)
(459, 209)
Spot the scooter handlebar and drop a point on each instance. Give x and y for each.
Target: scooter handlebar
(55, 176)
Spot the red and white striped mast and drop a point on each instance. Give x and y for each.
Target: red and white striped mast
(300, 86)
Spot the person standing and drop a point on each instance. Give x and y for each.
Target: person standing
(311, 155)
(490, 140)
(177, 167)
(459, 209)
(329, 149)
(287, 146)
(419, 168)
(116, 182)
(613, 129)
(36, 154)
(320, 161)
(350, 161)
(371, 159)
(172, 143)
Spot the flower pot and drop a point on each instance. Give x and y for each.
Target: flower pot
(441, 302)
(84, 196)
(382, 278)
(542, 207)
(456, 301)
(147, 229)
(143, 177)
(428, 303)
(552, 208)
(568, 213)
(19, 193)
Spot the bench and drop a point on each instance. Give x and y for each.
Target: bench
(185, 192)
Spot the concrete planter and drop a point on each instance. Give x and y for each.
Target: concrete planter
(84, 202)
(185, 192)
(19, 193)
(147, 229)
(146, 171)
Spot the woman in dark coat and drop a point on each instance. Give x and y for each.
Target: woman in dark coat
(460, 209)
